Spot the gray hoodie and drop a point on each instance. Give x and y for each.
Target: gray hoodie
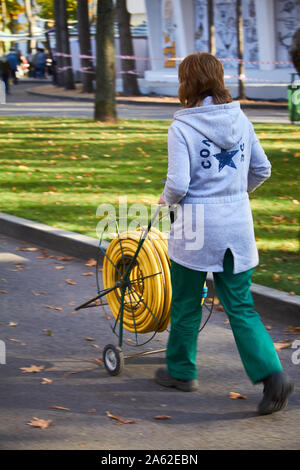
(214, 161)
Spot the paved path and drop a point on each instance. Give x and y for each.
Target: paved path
(39, 327)
(20, 103)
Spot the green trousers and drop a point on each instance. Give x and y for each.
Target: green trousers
(254, 344)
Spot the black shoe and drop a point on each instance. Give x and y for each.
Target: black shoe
(277, 388)
(162, 377)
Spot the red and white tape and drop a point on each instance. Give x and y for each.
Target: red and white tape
(222, 59)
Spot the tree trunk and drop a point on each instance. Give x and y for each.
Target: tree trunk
(129, 78)
(52, 57)
(58, 59)
(3, 24)
(67, 60)
(31, 44)
(211, 27)
(105, 105)
(85, 46)
(240, 47)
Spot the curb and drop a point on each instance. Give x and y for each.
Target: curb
(272, 303)
(68, 243)
(91, 100)
(151, 103)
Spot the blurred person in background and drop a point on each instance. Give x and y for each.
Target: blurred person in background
(5, 72)
(40, 59)
(13, 60)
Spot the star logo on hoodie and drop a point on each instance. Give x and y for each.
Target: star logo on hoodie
(225, 158)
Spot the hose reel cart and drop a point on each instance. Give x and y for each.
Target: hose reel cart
(137, 286)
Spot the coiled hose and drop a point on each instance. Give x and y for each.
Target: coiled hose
(148, 292)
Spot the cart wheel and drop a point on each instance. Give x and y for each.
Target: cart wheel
(113, 358)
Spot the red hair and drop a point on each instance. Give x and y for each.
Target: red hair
(200, 75)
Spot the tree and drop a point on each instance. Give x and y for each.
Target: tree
(85, 45)
(9, 11)
(211, 27)
(59, 61)
(67, 72)
(129, 79)
(31, 44)
(46, 9)
(105, 105)
(240, 47)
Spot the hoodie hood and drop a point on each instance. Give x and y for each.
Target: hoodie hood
(220, 123)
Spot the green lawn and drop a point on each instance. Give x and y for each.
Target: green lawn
(58, 171)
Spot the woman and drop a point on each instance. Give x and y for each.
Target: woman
(215, 160)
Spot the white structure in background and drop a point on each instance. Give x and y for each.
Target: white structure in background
(2, 93)
(137, 10)
(180, 27)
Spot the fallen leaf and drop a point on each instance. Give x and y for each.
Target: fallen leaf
(97, 361)
(11, 323)
(220, 308)
(46, 381)
(26, 249)
(92, 411)
(32, 368)
(49, 332)
(91, 262)
(279, 346)
(15, 340)
(59, 309)
(64, 258)
(120, 420)
(56, 407)
(35, 293)
(59, 267)
(88, 338)
(49, 306)
(87, 274)
(162, 417)
(236, 396)
(3, 291)
(69, 281)
(292, 329)
(40, 423)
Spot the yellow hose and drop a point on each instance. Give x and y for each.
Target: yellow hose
(147, 301)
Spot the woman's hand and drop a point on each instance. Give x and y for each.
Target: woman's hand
(161, 199)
